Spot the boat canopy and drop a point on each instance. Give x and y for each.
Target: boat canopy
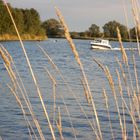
(101, 41)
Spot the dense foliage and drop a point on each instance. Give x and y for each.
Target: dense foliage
(94, 30)
(30, 26)
(27, 21)
(52, 28)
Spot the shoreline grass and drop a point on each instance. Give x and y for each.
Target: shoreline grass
(26, 37)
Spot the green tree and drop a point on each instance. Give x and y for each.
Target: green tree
(94, 30)
(32, 22)
(84, 34)
(133, 33)
(19, 20)
(111, 32)
(74, 34)
(5, 21)
(27, 21)
(53, 28)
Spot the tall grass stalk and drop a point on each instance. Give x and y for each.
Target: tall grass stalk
(125, 104)
(69, 116)
(112, 86)
(136, 22)
(54, 94)
(29, 126)
(126, 19)
(125, 80)
(124, 123)
(86, 92)
(76, 55)
(132, 106)
(17, 85)
(69, 88)
(108, 113)
(123, 107)
(136, 75)
(32, 73)
(59, 124)
(124, 56)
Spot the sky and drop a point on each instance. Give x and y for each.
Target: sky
(79, 15)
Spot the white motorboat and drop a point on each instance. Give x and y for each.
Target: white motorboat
(100, 44)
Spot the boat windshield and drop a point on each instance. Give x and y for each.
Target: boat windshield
(101, 41)
(97, 41)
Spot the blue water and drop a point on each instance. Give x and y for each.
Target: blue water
(12, 123)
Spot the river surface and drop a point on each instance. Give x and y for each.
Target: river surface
(70, 96)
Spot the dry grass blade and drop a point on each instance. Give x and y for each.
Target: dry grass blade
(136, 21)
(111, 82)
(7, 53)
(86, 92)
(124, 124)
(135, 9)
(134, 133)
(126, 106)
(49, 58)
(32, 73)
(5, 59)
(136, 74)
(136, 105)
(73, 48)
(108, 113)
(69, 116)
(16, 85)
(69, 88)
(126, 19)
(124, 136)
(54, 94)
(124, 56)
(24, 113)
(7, 64)
(67, 35)
(59, 124)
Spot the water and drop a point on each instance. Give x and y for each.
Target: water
(12, 123)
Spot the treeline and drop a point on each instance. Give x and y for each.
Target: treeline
(54, 29)
(31, 27)
(27, 21)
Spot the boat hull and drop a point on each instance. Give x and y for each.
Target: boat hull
(100, 47)
(101, 44)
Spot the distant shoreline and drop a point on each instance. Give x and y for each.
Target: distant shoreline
(91, 38)
(25, 37)
(28, 37)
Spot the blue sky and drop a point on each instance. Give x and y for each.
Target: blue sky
(80, 14)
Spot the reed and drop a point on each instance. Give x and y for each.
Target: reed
(108, 113)
(73, 48)
(124, 56)
(31, 71)
(70, 120)
(29, 126)
(54, 94)
(112, 86)
(126, 19)
(124, 84)
(136, 20)
(59, 124)
(23, 93)
(54, 66)
(129, 108)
